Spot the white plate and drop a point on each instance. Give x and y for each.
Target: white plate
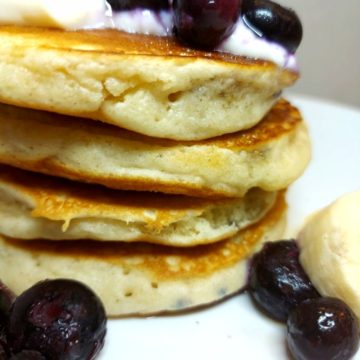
(234, 329)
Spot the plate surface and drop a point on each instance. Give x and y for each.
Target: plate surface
(233, 329)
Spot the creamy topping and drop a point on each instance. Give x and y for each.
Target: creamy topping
(85, 14)
(144, 22)
(65, 14)
(245, 43)
(242, 41)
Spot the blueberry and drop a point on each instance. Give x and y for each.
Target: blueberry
(273, 22)
(62, 319)
(322, 329)
(155, 5)
(205, 23)
(277, 281)
(28, 355)
(3, 352)
(7, 298)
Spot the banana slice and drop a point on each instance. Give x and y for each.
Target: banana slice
(66, 14)
(330, 250)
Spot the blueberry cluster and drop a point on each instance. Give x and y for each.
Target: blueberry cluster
(205, 24)
(317, 327)
(53, 320)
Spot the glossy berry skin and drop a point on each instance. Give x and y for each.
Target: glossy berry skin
(205, 23)
(277, 281)
(62, 319)
(322, 329)
(3, 353)
(7, 297)
(155, 5)
(27, 355)
(273, 22)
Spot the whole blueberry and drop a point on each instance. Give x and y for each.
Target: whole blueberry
(322, 329)
(273, 22)
(28, 355)
(277, 281)
(205, 23)
(61, 319)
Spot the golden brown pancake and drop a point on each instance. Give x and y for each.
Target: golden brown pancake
(38, 206)
(142, 278)
(147, 84)
(271, 155)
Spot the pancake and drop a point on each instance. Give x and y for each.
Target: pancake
(37, 206)
(271, 155)
(147, 84)
(141, 278)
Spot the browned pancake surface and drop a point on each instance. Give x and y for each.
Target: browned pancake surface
(282, 119)
(165, 263)
(110, 41)
(60, 199)
(48, 135)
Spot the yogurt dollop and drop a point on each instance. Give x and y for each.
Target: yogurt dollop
(64, 14)
(241, 42)
(87, 14)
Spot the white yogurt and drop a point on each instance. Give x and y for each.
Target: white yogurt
(144, 22)
(65, 14)
(242, 42)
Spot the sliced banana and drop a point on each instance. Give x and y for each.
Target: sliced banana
(65, 14)
(330, 250)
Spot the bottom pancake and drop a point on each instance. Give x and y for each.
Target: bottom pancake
(143, 278)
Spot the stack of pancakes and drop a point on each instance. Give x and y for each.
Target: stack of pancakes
(147, 170)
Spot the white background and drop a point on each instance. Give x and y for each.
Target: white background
(330, 52)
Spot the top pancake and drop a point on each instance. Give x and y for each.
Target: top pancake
(147, 84)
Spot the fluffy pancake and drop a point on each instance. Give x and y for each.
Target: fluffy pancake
(147, 84)
(37, 206)
(270, 156)
(140, 278)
